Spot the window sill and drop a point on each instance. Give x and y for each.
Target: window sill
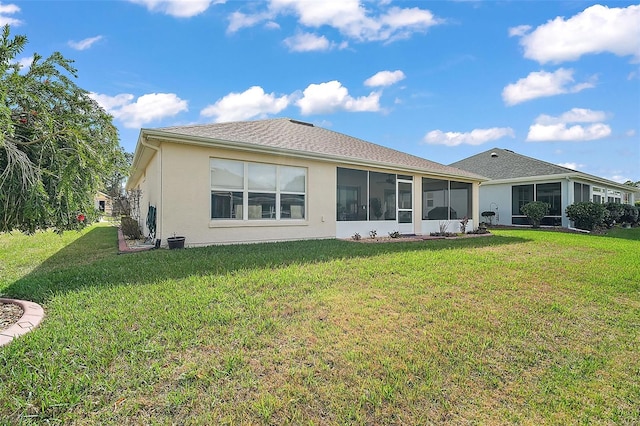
(257, 223)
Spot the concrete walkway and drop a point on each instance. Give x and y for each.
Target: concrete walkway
(31, 317)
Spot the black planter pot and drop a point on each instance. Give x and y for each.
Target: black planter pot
(175, 242)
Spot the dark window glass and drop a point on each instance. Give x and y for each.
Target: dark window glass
(435, 200)
(226, 205)
(291, 206)
(520, 195)
(461, 199)
(580, 192)
(405, 217)
(586, 190)
(382, 196)
(352, 195)
(261, 205)
(550, 193)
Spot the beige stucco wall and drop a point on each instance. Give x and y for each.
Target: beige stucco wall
(186, 199)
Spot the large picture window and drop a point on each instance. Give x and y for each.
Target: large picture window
(547, 192)
(382, 196)
(256, 191)
(352, 194)
(445, 200)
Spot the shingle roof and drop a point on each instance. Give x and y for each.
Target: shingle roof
(296, 136)
(503, 164)
(499, 163)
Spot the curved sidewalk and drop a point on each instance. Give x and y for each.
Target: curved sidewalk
(31, 317)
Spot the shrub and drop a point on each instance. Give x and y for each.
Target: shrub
(130, 228)
(356, 237)
(586, 215)
(630, 214)
(615, 213)
(535, 212)
(395, 234)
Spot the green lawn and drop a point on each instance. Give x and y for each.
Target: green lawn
(525, 327)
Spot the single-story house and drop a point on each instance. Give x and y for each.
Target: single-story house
(283, 179)
(516, 180)
(102, 203)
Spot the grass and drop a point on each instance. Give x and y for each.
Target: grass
(523, 327)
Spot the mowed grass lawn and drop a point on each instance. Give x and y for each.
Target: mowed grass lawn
(524, 327)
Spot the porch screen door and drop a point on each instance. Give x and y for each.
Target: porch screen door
(405, 206)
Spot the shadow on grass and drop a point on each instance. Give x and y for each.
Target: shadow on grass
(632, 234)
(92, 260)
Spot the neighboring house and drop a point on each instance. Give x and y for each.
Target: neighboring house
(282, 179)
(517, 180)
(102, 203)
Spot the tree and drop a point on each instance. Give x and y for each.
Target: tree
(56, 143)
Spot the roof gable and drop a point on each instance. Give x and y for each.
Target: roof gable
(503, 164)
(500, 164)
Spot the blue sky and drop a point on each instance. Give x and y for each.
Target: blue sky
(554, 80)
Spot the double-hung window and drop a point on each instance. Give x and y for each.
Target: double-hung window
(256, 191)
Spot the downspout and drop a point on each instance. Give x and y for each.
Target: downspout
(158, 216)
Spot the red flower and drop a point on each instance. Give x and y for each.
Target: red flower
(81, 217)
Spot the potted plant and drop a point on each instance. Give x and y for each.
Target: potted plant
(175, 242)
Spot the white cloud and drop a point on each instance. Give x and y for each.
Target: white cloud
(572, 166)
(349, 17)
(474, 137)
(542, 84)
(575, 115)
(333, 96)
(562, 132)
(385, 78)
(25, 62)
(548, 128)
(630, 133)
(251, 103)
(307, 42)
(84, 44)
(147, 108)
(9, 9)
(177, 8)
(239, 20)
(597, 29)
(519, 31)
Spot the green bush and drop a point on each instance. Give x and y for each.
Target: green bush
(587, 215)
(616, 211)
(630, 215)
(130, 228)
(535, 212)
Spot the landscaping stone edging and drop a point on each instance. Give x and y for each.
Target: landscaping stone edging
(31, 317)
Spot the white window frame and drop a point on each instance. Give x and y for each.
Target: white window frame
(246, 192)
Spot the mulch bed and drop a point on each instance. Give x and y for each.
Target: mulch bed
(406, 238)
(10, 313)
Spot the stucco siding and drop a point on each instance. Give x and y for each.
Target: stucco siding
(496, 198)
(187, 199)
